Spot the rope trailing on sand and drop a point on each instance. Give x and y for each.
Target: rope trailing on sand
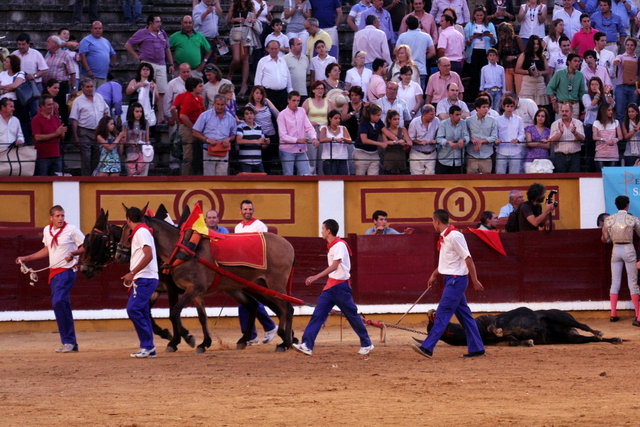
(383, 328)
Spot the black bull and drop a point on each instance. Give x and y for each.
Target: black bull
(524, 326)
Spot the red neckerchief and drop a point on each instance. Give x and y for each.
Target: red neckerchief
(248, 223)
(443, 235)
(54, 237)
(336, 240)
(138, 227)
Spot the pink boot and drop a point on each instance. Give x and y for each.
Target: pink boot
(614, 307)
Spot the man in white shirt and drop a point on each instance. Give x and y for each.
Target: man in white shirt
(525, 109)
(298, 65)
(143, 275)
(10, 130)
(86, 112)
(558, 61)
(62, 242)
(372, 39)
(605, 57)
(273, 73)
(571, 18)
(458, 269)
(249, 224)
(510, 142)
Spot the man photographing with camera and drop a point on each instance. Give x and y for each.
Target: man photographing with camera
(534, 213)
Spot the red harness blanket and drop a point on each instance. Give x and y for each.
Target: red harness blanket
(246, 249)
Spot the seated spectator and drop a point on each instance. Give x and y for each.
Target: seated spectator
(318, 64)
(515, 199)
(439, 82)
(452, 137)
(488, 221)
(510, 142)
(377, 84)
(606, 133)
(422, 131)
(365, 153)
(537, 137)
(214, 81)
(212, 219)
(492, 79)
(397, 139)
(110, 146)
(293, 128)
(532, 215)
(359, 75)
(332, 81)
(48, 131)
(335, 139)
(566, 134)
(601, 218)
(276, 25)
(251, 141)
(380, 225)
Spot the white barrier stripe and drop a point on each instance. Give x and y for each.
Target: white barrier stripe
(163, 313)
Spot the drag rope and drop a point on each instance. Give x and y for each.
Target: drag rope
(133, 285)
(383, 328)
(33, 274)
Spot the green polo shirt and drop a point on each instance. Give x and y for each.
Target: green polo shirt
(559, 86)
(189, 49)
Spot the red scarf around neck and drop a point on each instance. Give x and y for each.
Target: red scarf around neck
(443, 235)
(248, 223)
(335, 241)
(54, 237)
(138, 227)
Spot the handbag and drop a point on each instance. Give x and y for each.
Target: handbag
(236, 34)
(18, 160)
(217, 150)
(27, 92)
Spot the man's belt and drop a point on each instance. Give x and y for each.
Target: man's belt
(568, 102)
(611, 43)
(622, 243)
(495, 89)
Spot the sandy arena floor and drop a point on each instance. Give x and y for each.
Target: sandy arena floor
(585, 385)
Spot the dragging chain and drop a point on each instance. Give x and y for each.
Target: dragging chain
(383, 328)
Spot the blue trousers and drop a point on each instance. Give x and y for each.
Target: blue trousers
(453, 302)
(339, 295)
(263, 318)
(138, 311)
(625, 95)
(61, 285)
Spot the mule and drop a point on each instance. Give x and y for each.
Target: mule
(99, 251)
(197, 280)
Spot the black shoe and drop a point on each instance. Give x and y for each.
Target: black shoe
(421, 350)
(418, 340)
(614, 319)
(474, 354)
(635, 322)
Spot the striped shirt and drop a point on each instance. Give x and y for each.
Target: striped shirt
(61, 66)
(250, 154)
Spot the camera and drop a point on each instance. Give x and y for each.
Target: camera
(552, 193)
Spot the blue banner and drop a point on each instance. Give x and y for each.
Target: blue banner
(621, 181)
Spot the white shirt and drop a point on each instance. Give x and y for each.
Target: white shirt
(88, 113)
(31, 62)
(356, 79)
(509, 129)
(571, 22)
(526, 110)
(340, 251)
(255, 227)
(273, 74)
(319, 66)
(453, 252)
(282, 39)
(208, 27)
(10, 132)
(298, 70)
(558, 61)
(68, 241)
(605, 59)
(143, 238)
(6, 79)
(408, 94)
(374, 42)
(335, 150)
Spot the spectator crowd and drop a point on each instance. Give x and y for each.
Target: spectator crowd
(433, 88)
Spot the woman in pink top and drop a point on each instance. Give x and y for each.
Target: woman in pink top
(606, 133)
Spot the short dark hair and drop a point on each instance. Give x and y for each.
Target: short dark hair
(591, 53)
(598, 36)
(601, 218)
(43, 99)
(449, 19)
(412, 22)
(622, 202)
(332, 226)
(563, 38)
(584, 15)
(192, 83)
(442, 216)
(535, 191)
(315, 45)
(406, 69)
(23, 37)
(605, 1)
(134, 214)
(492, 50)
(329, 68)
(357, 90)
(453, 109)
(151, 18)
(275, 21)
(480, 102)
(378, 213)
(571, 56)
(371, 19)
(377, 63)
(246, 202)
(292, 94)
(4, 101)
(509, 101)
(486, 216)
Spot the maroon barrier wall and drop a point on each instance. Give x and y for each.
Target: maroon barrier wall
(565, 265)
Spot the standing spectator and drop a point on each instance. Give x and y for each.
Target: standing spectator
(421, 44)
(537, 137)
(96, 55)
(591, 69)
(460, 7)
(626, 10)
(297, 11)
(213, 75)
(570, 16)
(630, 129)
(329, 16)
(439, 82)
(355, 14)
(190, 47)
(611, 24)
(533, 67)
(500, 11)
(480, 36)
(377, 84)
(174, 88)
(404, 58)
(263, 15)
(372, 40)
(551, 41)
(606, 133)
(111, 91)
(511, 140)
(452, 136)
(34, 66)
(422, 131)
(298, 64)
(558, 61)
(567, 86)
(397, 139)
(359, 75)
(206, 16)
(61, 68)
(483, 133)
(510, 46)
(217, 129)
(426, 23)
(488, 221)
(293, 127)
(318, 64)
(457, 267)
(143, 89)
(451, 44)
(410, 91)
(492, 79)
(352, 111)
(273, 74)
(143, 270)
(188, 106)
(317, 106)
(153, 46)
(627, 82)
(77, 11)
(86, 112)
(132, 10)
(384, 16)
(137, 136)
(266, 116)
(604, 57)
(452, 98)
(110, 146)
(398, 9)
(566, 134)
(277, 35)
(335, 137)
(365, 153)
(532, 17)
(251, 141)
(241, 15)
(337, 291)
(391, 102)
(62, 243)
(315, 33)
(48, 131)
(583, 39)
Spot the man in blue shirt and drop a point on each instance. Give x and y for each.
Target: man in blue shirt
(96, 55)
(611, 24)
(385, 21)
(211, 219)
(380, 225)
(329, 16)
(217, 128)
(422, 47)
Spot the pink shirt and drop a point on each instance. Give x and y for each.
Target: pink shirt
(583, 41)
(437, 85)
(376, 87)
(601, 72)
(453, 44)
(293, 125)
